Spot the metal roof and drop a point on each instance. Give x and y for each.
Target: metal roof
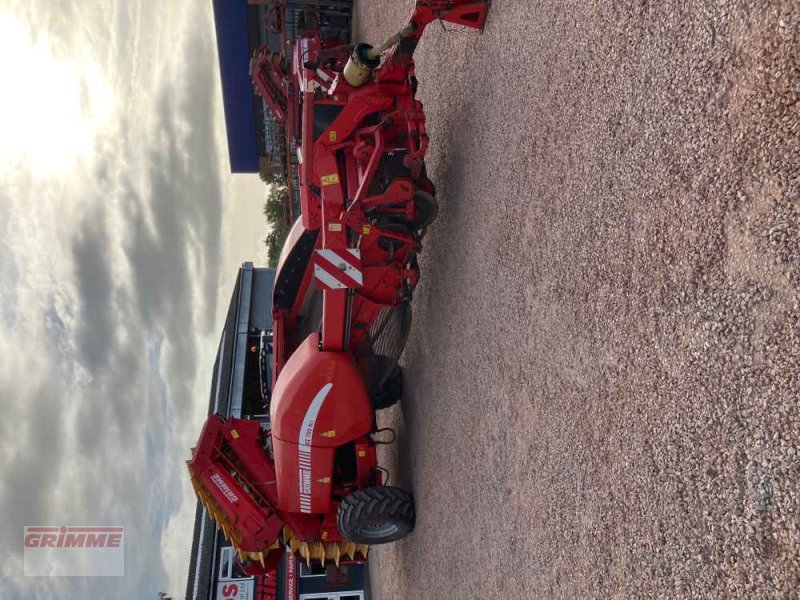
(233, 48)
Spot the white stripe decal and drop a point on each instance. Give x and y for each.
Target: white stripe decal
(304, 451)
(345, 268)
(307, 429)
(334, 257)
(327, 279)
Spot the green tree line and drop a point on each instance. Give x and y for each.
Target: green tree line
(277, 212)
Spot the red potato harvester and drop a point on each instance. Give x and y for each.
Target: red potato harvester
(341, 310)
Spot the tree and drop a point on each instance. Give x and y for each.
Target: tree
(278, 214)
(276, 209)
(273, 178)
(274, 242)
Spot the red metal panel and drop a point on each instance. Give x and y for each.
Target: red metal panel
(344, 410)
(309, 201)
(304, 478)
(334, 309)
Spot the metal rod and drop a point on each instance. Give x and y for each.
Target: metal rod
(405, 32)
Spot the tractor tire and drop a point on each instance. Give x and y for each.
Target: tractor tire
(425, 208)
(390, 392)
(423, 182)
(376, 515)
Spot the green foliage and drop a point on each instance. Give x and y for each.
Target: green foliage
(271, 179)
(274, 241)
(278, 214)
(275, 209)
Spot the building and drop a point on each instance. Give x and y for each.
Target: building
(236, 391)
(256, 142)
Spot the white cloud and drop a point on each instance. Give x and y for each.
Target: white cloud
(117, 258)
(57, 107)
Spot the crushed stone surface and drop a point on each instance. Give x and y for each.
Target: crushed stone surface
(603, 377)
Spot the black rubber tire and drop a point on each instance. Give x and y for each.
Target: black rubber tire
(425, 208)
(376, 515)
(390, 392)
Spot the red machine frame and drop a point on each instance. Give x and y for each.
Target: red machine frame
(360, 235)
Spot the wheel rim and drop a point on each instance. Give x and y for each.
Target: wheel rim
(378, 531)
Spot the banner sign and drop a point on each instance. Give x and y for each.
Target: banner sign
(235, 589)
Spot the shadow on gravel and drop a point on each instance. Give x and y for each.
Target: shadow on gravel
(401, 452)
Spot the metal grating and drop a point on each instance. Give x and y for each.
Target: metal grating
(389, 332)
(378, 357)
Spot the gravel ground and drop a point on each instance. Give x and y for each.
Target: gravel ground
(603, 372)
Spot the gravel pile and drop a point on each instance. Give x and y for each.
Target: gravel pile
(604, 372)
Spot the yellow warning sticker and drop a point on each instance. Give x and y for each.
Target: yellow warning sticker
(324, 480)
(234, 434)
(362, 453)
(330, 179)
(331, 136)
(329, 434)
(365, 230)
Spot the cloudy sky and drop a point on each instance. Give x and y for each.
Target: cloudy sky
(120, 232)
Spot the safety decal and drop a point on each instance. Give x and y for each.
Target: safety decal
(338, 269)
